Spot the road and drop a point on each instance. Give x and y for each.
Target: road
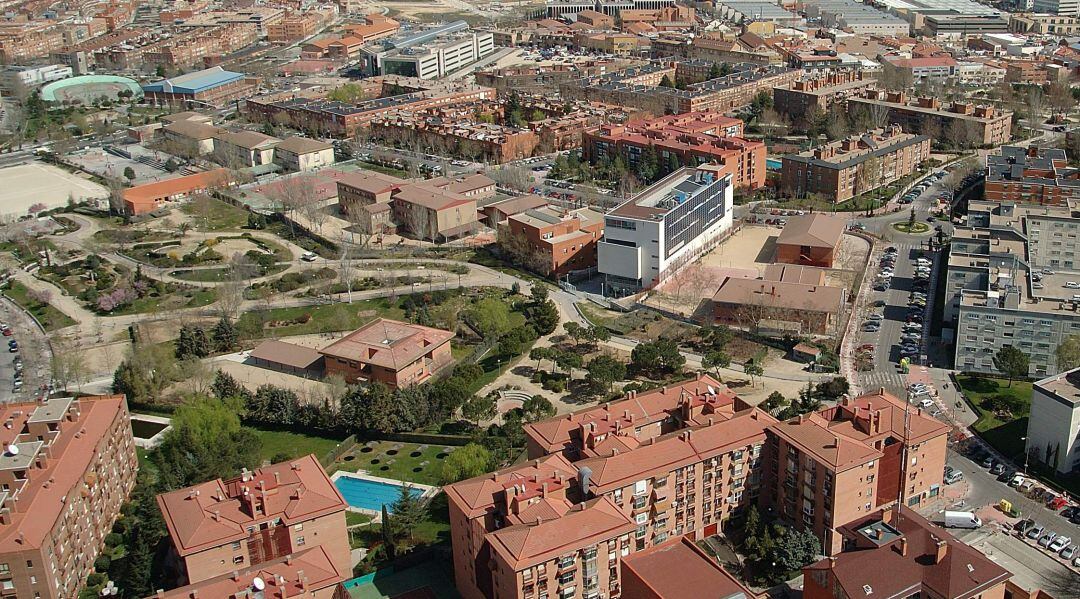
(34, 352)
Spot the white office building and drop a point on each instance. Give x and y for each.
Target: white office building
(653, 234)
(1064, 8)
(15, 79)
(1054, 424)
(428, 54)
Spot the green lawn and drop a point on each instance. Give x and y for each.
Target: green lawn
(216, 275)
(386, 170)
(212, 214)
(47, 315)
(356, 518)
(913, 228)
(1004, 434)
(326, 318)
(187, 298)
(277, 442)
(409, 462)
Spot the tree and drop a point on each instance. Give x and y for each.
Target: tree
(516, 340)
(569, 360)
(349, 93)
(665, 81)
(604, 370)
(387, 530)
(129, 173)
(657, 359)
(774, 401)
(715, 360)
(1011, 362)
(540, 354)
(1068, 353)
(479, 409)
(192, 343)
(714, 71)
(752, 370)
(490, 317)
(795, 549)
(206, 442)
(537, 408)
(539, 293)
(544, 317)
(408, 510)
(467, 462)
(225, 335)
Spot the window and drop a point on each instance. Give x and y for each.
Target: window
(299, 527)
(236, 545)
(29, 563)
(639, 487)
(238, 559)
(299, 541)
(4, 569)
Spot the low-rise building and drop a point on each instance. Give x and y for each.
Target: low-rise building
(307, 573)
(859, 164)
(190, 137)
(373, 27)
(396, 354)
(242, 149)
(477, 185)
(686, 139)
(209, 88)
(985, 125)
(1031, 175)
(819, 92)
(19, 80)
(1054, 422)
(895, 552)
(144, 199)
(67, 466)
(259, 518)
(303, 154)
(470, 138)
(793, 296)
(561, 241)
(810, 240)
(831, 467)
(652, 235)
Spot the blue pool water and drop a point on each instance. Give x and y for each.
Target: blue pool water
(370, 494)
(773, 164)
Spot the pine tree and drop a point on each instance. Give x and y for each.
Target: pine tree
(225, 335)
(201, 343)
(387, 534)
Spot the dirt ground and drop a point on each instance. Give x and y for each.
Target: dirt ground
(254, 376)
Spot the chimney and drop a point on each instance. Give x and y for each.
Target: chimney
(887, 516)
(903, 546)
(942, 550)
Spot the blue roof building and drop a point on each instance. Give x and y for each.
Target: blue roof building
(194, 83)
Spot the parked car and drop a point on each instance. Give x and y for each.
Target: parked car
(1070, 511)
(1057, 503)
(1047, 538)
(1067, 552)
(1017, 480)
(1059, 543)
(1023, 526)
(309, 256)
(1035, 531)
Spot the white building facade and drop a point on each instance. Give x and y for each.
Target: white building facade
(1054, 423)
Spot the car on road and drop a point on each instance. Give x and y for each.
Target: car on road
(309, 256)
(952, 475)
(1059, 543)
(1037, 285)
(997, 469)
(1067, 552)
(1072, 285)
(13, 347)
(871, 327)
(1047, 538)
(1017, 480)
(1027, 484)
(926, 403)
(1070, 511)
(1057, 502)
(876, 316)
(1023, 526)
(8, 332)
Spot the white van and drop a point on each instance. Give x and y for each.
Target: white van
(962, 520)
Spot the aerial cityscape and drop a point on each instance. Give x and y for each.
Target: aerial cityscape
(540, 299)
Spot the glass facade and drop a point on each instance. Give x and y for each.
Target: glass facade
(694, 215)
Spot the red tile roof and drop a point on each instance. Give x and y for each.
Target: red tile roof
(663, 571)
(479, 494)
(216, 512)
(296, 575)
(177, 186)
(388, 343)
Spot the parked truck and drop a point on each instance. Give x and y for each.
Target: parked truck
(962, 520)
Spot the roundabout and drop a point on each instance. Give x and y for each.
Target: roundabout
(911, 228)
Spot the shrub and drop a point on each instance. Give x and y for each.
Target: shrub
(102, 563)
(95, 579)
(113, 539)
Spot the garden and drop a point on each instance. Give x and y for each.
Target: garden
(411, 462)
(39, 304)
(1002, 409)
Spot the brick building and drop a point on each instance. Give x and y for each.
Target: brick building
(384, 204)
(307, 573)
(690, 139)
(67, 467)
(810, 240)
(895, 552)
(793, 295)
(820, 91)
(295, 26)
(210, 87)
(453, 128)
(605, 483)
(988, 125)
(220, 527)
(397, 354)
(838, 171)
(564, 240)
(842, 463)
(144, 199)
(1031, 175)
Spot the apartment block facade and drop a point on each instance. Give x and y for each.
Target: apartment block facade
(687, 139)
(819, 92)
(833, 466)
(1031, 175)
(565, 241)
(67, 467)
(223, 526)
(605, 483)
(838, 170)
(1053, 433)
(989, 126)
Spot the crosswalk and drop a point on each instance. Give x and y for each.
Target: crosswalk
(893, 381)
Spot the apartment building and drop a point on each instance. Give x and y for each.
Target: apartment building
(819, 92)
(1031, 175)
(454, 127)
(921, 68)
(603, 484)
(67, 467)
(1044, 23)
(795, 297)
(668, 225)
(838, 170)
(318, 116)
(1063, 8)
(562, 240)
(397, 354)
(1054, 423)
(221, 527)
(22, 42)
(385, 204)
(895, 552)
(243, 149)
(989, 126)
(296, 26)
(995, 293)
(308, 573)
(639, 87)
(839, 464)
(689, 139)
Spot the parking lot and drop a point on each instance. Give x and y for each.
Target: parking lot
(33, 353)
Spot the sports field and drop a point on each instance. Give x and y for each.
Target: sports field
(25, 185)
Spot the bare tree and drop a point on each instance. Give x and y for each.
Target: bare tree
(346, 274)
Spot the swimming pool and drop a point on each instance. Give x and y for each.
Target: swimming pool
(773, 164)
(371, 495)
